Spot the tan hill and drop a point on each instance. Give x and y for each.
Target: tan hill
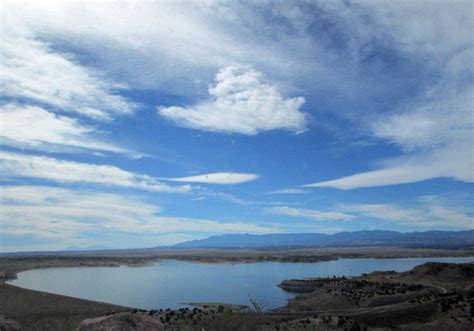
(445, 275)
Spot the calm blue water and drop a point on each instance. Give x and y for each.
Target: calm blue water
(171, 283)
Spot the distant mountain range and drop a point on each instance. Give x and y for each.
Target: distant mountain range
(359, 238)
(427, 239)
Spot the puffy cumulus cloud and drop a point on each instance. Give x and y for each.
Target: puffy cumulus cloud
(33, 71)
(222, 178)
(65, 216)
(49, 132)
(310, 213)
(240, 103)
(46, 168)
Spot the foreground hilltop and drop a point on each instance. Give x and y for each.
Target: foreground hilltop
(432, 296)
(449, 276)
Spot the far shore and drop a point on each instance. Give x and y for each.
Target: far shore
(11, 264)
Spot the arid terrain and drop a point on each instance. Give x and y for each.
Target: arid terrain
(431, 296)
(10, 264)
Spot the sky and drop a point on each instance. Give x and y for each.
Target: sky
(137, 124)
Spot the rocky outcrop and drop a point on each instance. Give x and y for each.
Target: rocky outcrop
(127, 321)
(7, 324)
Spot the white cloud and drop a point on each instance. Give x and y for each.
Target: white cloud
(388, 212)
(33, 71)
(195, 39)
(440, 117)
(40, 84)
(447, 162)
(426, 214)
(310, 213)
(192, 39)
(454, 217)
(36, 128)
(434, 30)
(225, 196)
(222, 178)
(290, 191)
(434, 129)
(47, 168)
(67, 215)
(240, 103)
(435, 132)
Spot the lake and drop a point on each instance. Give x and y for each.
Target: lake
(171, 283)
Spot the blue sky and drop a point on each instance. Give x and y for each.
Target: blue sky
(138, 124)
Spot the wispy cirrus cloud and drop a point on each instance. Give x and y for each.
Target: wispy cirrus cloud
(290, 191)
(310, 213)
(193, 39)
(32, 71)
(221, 178)
(386, 212)
(432, 130)
(16, 165)
(64, 216)
(397, 74)
(449, 162)
(426, 214)
(240, 103)
(50, 131)
(53, 90)
(436, 135)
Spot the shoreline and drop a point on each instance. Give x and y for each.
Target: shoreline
(35, 309)
(11, 265)
(391, 296)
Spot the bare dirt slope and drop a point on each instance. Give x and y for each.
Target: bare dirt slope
(36, 310)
